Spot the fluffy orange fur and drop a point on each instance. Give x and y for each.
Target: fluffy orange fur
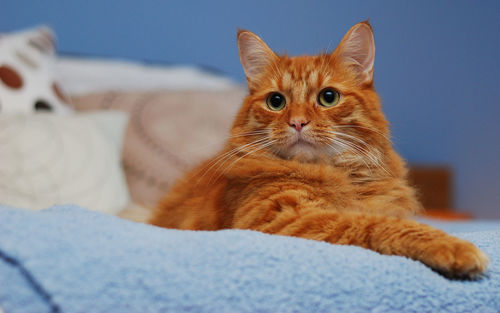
(322, 170)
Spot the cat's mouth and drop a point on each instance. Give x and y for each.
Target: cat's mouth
(302, 143)
(300, 147)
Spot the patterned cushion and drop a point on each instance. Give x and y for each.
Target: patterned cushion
(49, 159)
(27, 80)
(169, 132)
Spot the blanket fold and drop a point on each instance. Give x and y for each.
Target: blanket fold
(69, 259)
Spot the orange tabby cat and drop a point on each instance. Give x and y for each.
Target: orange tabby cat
(310, 157)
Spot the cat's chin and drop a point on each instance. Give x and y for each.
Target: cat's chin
(302, 151)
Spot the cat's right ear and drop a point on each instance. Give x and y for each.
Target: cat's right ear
(255, 55)
(357, 49)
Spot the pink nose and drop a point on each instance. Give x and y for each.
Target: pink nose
(298, 123)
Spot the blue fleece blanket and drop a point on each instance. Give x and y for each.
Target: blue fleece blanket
(67, 259)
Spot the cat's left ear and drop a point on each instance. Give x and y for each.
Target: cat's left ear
(357, 50)
(255, 56)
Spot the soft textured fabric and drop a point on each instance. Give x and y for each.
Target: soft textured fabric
(169, 132)
(28, 82)
(83, 75)
(68, 259)
(48, 159)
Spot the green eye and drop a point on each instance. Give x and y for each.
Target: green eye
(328, 97)
(275, 101)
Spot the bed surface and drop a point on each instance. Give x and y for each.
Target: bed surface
(69, 259)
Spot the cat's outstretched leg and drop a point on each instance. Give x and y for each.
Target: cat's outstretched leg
(451, 256)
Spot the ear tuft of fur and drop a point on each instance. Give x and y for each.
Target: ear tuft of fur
(255, 55)
(357, 48)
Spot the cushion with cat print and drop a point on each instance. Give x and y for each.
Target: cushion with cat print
(49, 159)
(27, 79)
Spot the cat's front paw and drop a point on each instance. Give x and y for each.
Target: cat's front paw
(455, 258)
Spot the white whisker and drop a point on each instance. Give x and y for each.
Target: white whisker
(227, 155)
(364, 127)
(261, 146)
(218, 141)
(337, 151)
(243, 148)
(349, 146)
(362, 148)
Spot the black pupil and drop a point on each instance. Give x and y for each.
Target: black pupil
(329, 96)
(276, 100)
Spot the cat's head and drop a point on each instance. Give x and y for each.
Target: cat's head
(311, 107)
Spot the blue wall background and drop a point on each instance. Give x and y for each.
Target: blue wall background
(437, 65)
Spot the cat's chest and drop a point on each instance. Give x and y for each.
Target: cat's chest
(303, 186)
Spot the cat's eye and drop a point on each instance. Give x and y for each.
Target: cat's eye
(276, 101)
(328, 97)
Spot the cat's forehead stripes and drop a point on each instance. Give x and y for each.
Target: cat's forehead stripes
(301, 77)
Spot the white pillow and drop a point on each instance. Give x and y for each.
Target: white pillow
(82, 75)
(27, 78)
(48, 159)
